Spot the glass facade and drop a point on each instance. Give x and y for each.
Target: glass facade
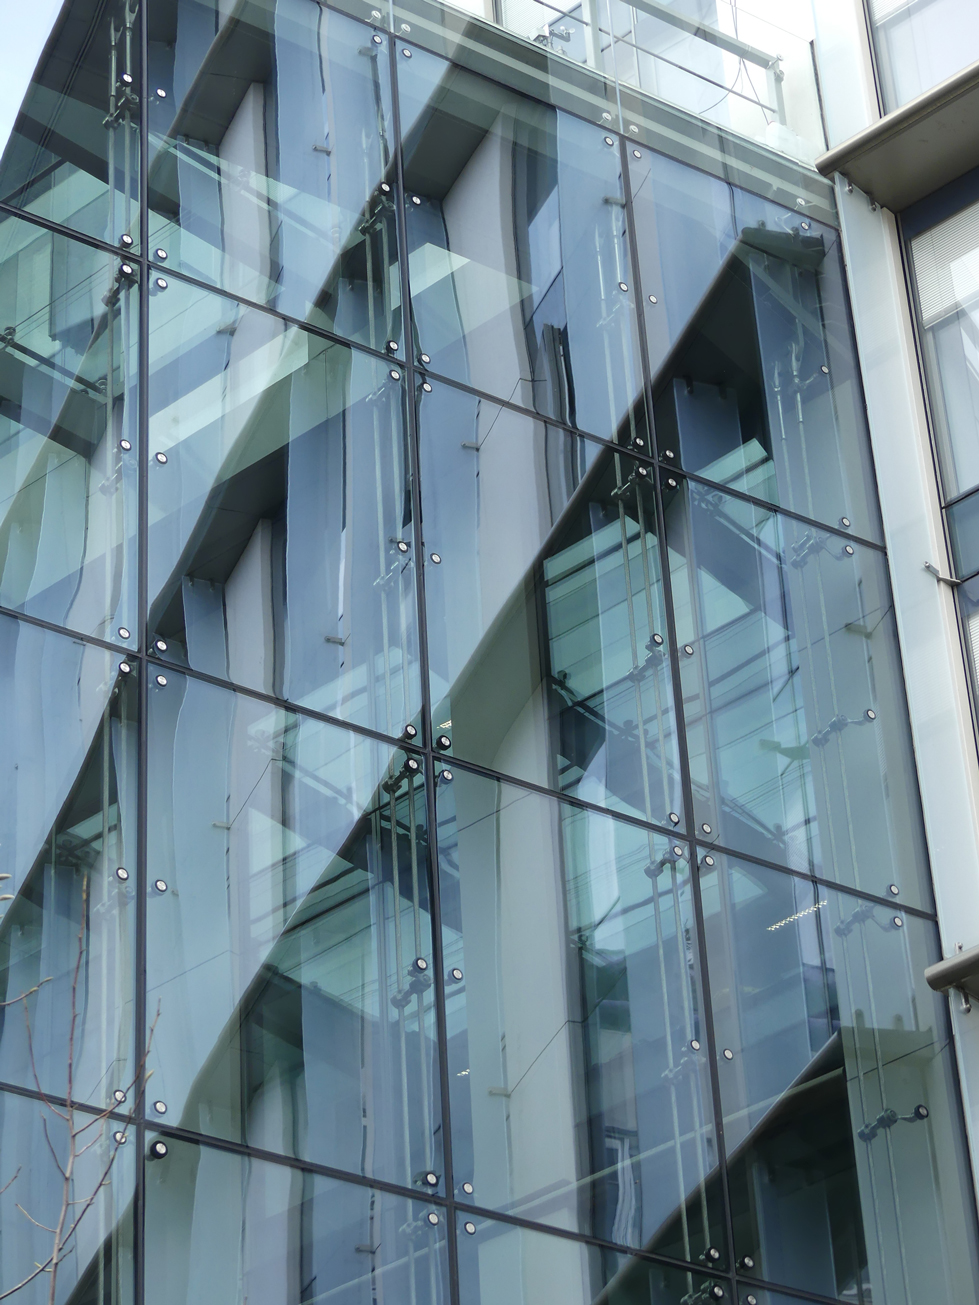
(440, 550)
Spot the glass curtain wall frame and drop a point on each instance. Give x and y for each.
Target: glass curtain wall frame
(547, 621)
(68, 856)
(796, 719)
(410, 1182)
(754, 370)
(504, 1264)
(589, 1108)
(280, 513)
(271, 162)
(289, 949)
(95, 1253)
(846, 1170)
(68, 443)
(518, 252)
(263, 1231)
(73, 154)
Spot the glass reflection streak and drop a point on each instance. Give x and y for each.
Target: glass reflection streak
(278, 188)
(67, 826)
(68, 459)
(280, 535)
(546, 613)
(587, 1108)
(841, 1181)
(284, 1235)
(793, 695)
(518, 250)
(290, 954)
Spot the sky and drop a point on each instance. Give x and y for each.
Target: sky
(24, 28)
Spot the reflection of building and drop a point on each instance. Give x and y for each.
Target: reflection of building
(465, 832)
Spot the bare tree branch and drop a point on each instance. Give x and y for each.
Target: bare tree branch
(33, 1220)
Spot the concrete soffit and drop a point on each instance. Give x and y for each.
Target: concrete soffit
(921, 146)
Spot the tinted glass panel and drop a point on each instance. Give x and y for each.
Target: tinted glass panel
(589, 1106)
(845, 1173)
(225, 1228)
(68, 860)
(517, 248)
(794, 697)
(268, 156)
(919, 45)
(546, 611)
(963, 528)
(67, 433)
(289, 936)
(73, 153)
(89, 1261)
(280, 521)
(500, 1264)
(755, 383)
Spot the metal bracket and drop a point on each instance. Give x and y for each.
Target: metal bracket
(945, 579)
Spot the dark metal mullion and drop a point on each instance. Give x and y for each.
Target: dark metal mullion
(142, 666)
(412, 382)
(681, 734)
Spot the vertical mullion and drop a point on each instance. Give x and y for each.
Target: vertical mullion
(142, 446)
(685, 778)
(412, 380)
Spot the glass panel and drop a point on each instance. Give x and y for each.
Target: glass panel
(546, 613)
(755, 383)
(280, 518)
(68, 315)
(920, 44)
(946, 272)
(293, 996)
(90, 1261)
(963, 528)
(500, 1264)
(589, 1107)
(227, 1228)
(797, 724)
(73, 152)
(68, 862)
(269, 154)
(847, 1167)
(517, 249)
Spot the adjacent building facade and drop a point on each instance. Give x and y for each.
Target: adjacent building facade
(485, 764)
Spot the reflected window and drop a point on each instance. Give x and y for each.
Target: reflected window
(517, 249)
(589, 1107)
(793, 695)
(271, 166)
(546, 613)
(280, 534)
(68, 460)
(843, 1175)
(68, 863)
(289, 969)
(755, 383)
